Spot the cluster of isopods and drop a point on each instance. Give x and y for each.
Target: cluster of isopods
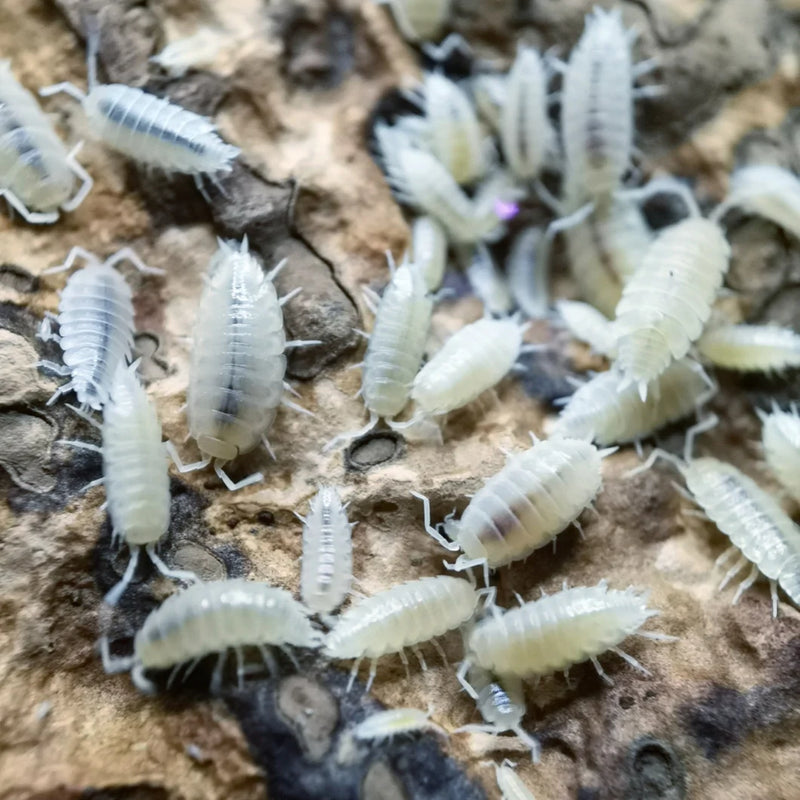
(463, 164)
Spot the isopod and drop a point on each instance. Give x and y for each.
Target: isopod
(95, 325)
(214, 617)
(429, 250)
(403, 616)
(527, 274)
(37, 174)
(146, 128)
(510, 784)
(488, 282)
(394, 721)
(558, 630)
(765, 190)
(395, 349)
(237, 367)
(489, 91)
(535, 496)
(135, 475)
(501, 703)
(197, 50)
(750, 348)
(327, 569)
(586, 324)
(600, 411)
(419, 20)
(780, 436)
(667, 302)
(526, 134)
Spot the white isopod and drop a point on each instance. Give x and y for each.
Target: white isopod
(600, 411)
(327, 569)
(418, 179)
(95, 325)
(556, 631)
(429, 250)
(395, 349)
(146, 128)
(535, 496)
(750, 348)
(197, 50)
(452, 130)
(37, 174)
(501, 703)
(135, 475)
(394, 721)
(765, 190)
(405, 615)
(419, 20)
(667, 302)
(237, 368)
(510, 784)
(586, 324)
(780, 436)
(528, 279)
(214, 617)
(526, 134)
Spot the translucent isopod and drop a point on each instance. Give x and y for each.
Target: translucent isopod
(586, 324)
(214, 617)
(327, 569)
(780, 436)
(429, 250)
(535, 496)
(750, 348)
(510, 784)
(37, 174)
(667, 302)
(394, 721)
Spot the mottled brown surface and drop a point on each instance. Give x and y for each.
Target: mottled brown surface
(718, 719)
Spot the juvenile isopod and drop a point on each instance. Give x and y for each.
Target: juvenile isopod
(419, 20)
(526, 134)
(237, 367)
(586, 324)
(95, 325)
(214, 617)
(535, 496)
(600, 411)
(501, 703)
(750, 348)
(767, 191)
(510, 784)
(667, 302)
(394, 721)
(197, 50)
(327, 569)
(558, 630)
(134, 475)
(528, 279)
(429, 250)
(37, 174)
(780, 436)
(405, 615)
(472, 361)
(146, 128)
(395, 349)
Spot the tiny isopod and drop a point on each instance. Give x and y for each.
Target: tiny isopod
(510, 784)
(780, 436)
(394, 721)
(750, 348)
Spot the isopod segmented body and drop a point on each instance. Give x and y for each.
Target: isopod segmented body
(405, 615)
(394, 721)
(535, 496)
(750, 348)
(666, 303)
(429, 250)
(37, 174)
(327, 569)
(760, 531)
(558, 630)
(525, 130)
(419, 20)
(211, 618)
(599, 410)
(95, 326)
(238, 363)
(780, 436)
(586, 324)
(768, 191)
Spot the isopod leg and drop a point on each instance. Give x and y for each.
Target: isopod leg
(234, 487)
(531, 742)
(112, 664)
(268, 447)
(404, 659)
(353, 675)
(373, 671)
(275, 271)
(81, 446)
(346, 437)
(240, 673)
(745, 584)
(461, 675)
(216, 677)
(295, 407)
(140, 682)
(34, 217)
(179, 465)
(290, 655)
(74, 253)
(773, 590)
(129, 254)
(431, 531)
(420, 657)
(631, 660)
(440, 650)
(301, 343)
(190, 669)
(722, 559)
(175, 574)
(172, 675)
(269, 660)
(600, 671)
(67, 87)
(736, 568)
(287, 297)
(80, 172)
(59, 370)
(113, 595)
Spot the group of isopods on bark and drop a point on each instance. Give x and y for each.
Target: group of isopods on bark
(462, 163)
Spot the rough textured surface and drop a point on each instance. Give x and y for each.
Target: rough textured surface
(297, 88)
